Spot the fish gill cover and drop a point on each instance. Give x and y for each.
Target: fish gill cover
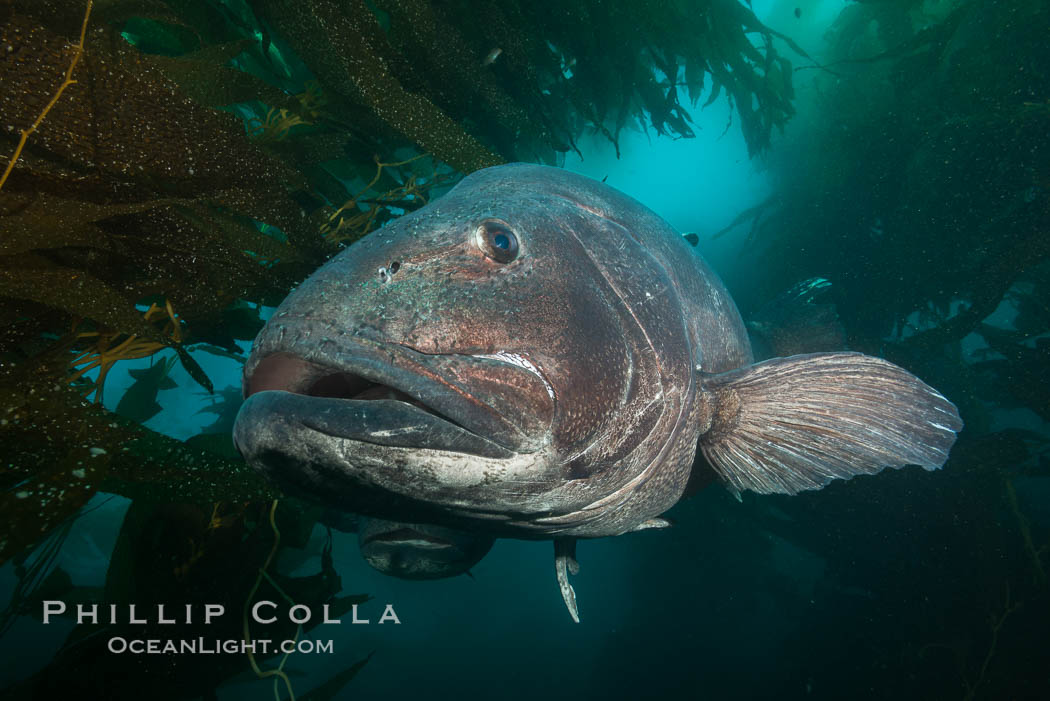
(206, 154)
(176, 164)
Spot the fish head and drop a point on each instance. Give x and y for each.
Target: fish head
(461, 363)
(419, 551)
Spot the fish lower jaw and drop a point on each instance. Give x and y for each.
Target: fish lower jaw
(290, 373)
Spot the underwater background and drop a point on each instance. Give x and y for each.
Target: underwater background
(210, 154)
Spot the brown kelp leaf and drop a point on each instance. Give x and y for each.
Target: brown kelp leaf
(206, 77)
(34, 278)
(193, 368)
(464, 85)
(340, 42)
(183, 253)
(276, 208)
(119, 11)
(694, 80)
(60, 451)
(47, 221)
(236, 234)
(123, 117)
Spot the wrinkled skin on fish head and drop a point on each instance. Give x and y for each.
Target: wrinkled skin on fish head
(509, 358)
(537, 355)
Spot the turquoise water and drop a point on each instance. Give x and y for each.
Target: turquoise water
(915, 177)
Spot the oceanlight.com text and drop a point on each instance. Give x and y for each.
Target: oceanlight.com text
(215, 646)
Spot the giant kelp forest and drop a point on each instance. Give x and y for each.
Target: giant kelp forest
(171, 165)
(921, 187)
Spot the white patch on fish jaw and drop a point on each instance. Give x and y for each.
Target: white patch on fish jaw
(476, 479)
(522, 362)
(391, 432)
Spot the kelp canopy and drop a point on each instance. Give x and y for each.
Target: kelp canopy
(933, 182)
(204, 155)
(931, 189)
(920, 187)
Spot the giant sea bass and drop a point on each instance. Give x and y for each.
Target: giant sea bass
(537, 355)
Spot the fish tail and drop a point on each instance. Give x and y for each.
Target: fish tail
(790, 424)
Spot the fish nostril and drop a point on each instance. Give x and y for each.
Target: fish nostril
(386, 273)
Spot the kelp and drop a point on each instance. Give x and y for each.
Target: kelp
(124, 167)
(920, 186)
(204, 155)
(62, 450)
(350, 62)
(414, 62)
(350, 221)
(173, 554)
(78, 52)
(1014, 370)
(943, 132)
(109, 348)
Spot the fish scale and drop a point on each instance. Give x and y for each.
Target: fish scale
(544, 362)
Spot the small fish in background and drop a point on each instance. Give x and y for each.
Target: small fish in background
(139, 403)
(474, 371)
(798, 13)
(58, 585)
(799, 320)
(224, 405)
(875, 230)
(491, 56)
(215, 437)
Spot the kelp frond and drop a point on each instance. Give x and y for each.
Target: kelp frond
(110, 347)
(132, 178)
(274, 127)
(359, 215)
(78, 51)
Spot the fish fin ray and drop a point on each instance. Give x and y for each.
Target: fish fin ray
(791, 424)
(565, 564)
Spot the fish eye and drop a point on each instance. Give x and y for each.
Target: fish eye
(497, 241)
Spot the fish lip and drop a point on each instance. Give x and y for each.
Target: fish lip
(391, 423)
(394, 365)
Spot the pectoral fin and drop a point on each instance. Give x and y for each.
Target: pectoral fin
(791, 424)
(564, 565)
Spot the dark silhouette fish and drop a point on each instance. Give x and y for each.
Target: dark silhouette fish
(537, 355)
(139, 402)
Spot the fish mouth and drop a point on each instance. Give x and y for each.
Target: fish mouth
(341, 403)
(391, 395)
